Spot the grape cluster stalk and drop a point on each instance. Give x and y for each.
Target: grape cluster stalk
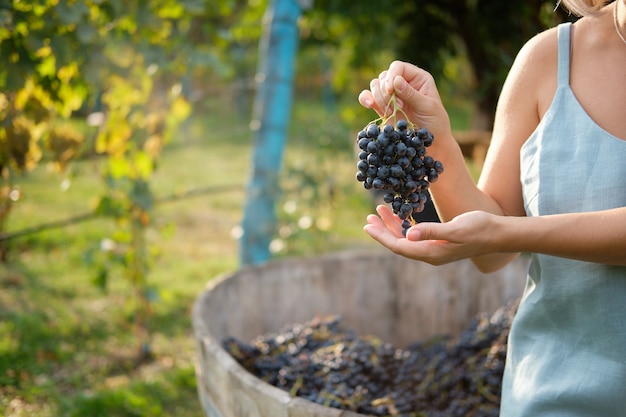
(326, 362)
(393, 158)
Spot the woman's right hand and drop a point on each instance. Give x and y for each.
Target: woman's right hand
(416, 94)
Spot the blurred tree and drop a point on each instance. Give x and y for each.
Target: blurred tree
(122, 64)
(430, 33)
(130, 62)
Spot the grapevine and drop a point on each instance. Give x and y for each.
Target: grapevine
(393, 158)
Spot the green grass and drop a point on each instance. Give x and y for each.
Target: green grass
(69, 349)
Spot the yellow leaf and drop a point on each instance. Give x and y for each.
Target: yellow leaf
(180, 108)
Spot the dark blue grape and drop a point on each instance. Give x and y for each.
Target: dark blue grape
(373, 159)
(438, 167)
(410, 187)
(404, 162)
(406, 209)
(397, 171)
(429, 140)
(417, 163)
(372, 147)
(422, 133)
(401, 149)
(378, 184)
(372, 131)
(419, 174)
(383, 172)
(394, 183)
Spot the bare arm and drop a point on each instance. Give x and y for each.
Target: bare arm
(486, 221)
(593, 237)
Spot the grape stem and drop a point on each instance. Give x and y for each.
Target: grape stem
(296, 386)
(393, 107)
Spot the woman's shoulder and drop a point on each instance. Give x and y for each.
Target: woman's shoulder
(535, 70)
(541, 49)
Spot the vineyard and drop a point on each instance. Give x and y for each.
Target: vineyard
(69, 347)
(126, 144)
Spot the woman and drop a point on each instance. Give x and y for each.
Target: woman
(554, 185)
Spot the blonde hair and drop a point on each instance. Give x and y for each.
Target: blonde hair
(583, 7)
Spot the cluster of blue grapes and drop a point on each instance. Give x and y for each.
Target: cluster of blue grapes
(326, 362)
(394, 159)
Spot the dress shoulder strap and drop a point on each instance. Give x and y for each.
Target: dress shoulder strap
(564, 30)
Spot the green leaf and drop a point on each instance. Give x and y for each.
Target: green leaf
(71, 14)
(194, 6)
(142, 196)
(86, 33)
(62, 49)
(101, 278)
(109, 207)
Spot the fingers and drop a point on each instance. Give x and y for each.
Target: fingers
(374, 98)
(410, 84)
(390, 220)
(386, 220)
(379, 93)
(366, 99)
(379, 231)
(430, 251)
(420, 79)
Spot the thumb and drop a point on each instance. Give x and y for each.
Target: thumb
(426, 231)
(407, 94)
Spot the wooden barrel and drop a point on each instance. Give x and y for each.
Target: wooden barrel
(376, 293)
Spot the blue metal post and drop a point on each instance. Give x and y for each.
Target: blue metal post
(272, 111)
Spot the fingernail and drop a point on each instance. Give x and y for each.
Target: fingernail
(413, 234)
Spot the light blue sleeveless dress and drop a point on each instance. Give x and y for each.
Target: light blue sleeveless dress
(567, 345)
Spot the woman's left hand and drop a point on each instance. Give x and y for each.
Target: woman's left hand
(468, 235)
